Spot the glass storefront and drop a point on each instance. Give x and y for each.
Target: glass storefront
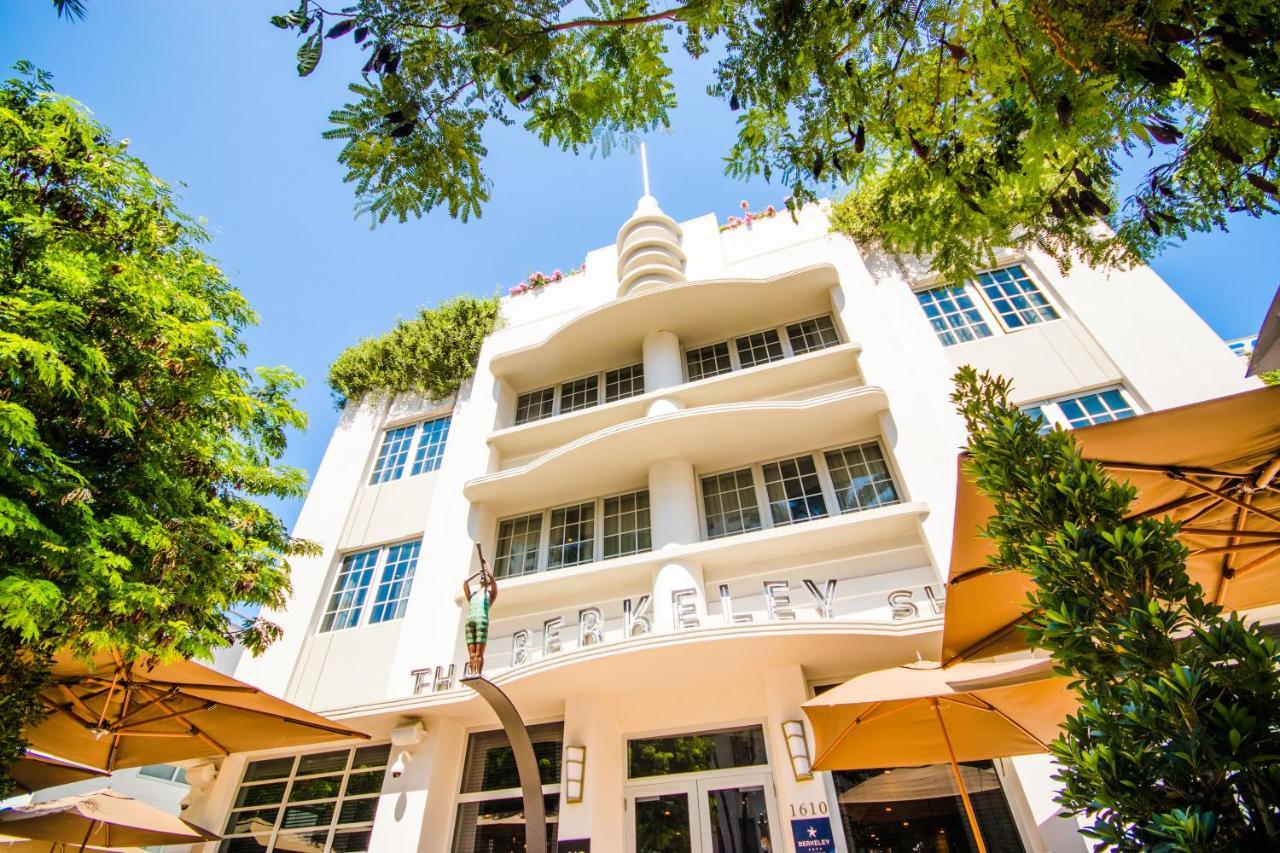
(919, 809)
(490, 807)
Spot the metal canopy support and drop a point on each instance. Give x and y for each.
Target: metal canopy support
(535, 818)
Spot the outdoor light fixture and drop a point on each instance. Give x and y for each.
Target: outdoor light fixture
(798, 749)
(575, 769)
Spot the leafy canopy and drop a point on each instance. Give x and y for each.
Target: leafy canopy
(432, 354)
(135, 446)
(962, 126)
(1176, 745)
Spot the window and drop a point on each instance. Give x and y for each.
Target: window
(810, 335)
(729, 501)
(793, 490)
(393, 454)
(1015, 298)
(315, 801)
(351, 587)
(166, 772)
(951, 312)
(623, 382)
(535, 405)
(518, 540)
(490, 808)
(861, 477)
(431, 439)
(397, 579)
(813, 485)
(711, 360)
(349, 590)
(626, 524)
(579, 394)
(759, 348)
(1098, 407)
(572, 540)
(722, 749)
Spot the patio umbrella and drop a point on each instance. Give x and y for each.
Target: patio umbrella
(115, 714)
(99, 819)
(9, 844)
(924, 714)
(1212, 465)
(918, 783)
(36, 770)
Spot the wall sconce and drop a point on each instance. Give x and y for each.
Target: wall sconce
(798, 749)
(575, 770)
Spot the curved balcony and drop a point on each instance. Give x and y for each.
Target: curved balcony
(773, 381)
(716, 308)
(710, 437)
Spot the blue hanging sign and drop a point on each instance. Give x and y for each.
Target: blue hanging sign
(812, 835)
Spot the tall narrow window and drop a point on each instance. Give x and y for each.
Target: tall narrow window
(1015, 297)
(815, 334)
(861, 477)
(579, 394)
(393, 454)
(623, 382)
(517, 552)
(1099, 408)
(626, 524)
(794, 490)
(759, 348)
(431, 445)
(572, 535)
(392, 595)
(490, 809)
(711, 360)
(951, 312)
(535, 405)
(314, 801)
(729, 502)
(349, 591)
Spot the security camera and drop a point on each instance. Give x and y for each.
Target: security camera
(397, 769)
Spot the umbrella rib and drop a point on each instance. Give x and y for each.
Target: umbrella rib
(191, 685)
(1225, 573)
(75, 701)
(124, 720)
(995, 636)
(54, 708)
(1235, 532)
(1253, 564)
(1235, 547)
(1229, 498)
(987, 706)
(121, 728)
(1172, 469)
(195, 730)
(1170, 506)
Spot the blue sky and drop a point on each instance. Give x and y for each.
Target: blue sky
(207, 92)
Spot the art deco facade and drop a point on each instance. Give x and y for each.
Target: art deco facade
(714, 474)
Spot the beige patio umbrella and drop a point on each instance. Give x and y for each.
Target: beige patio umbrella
(1212, 465)
(924, 714)
(99, 819)
(36, 770)
(115, 714)
(9, 844)
(900, 784)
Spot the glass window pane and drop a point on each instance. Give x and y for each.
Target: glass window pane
(393, 454)
(690, 753)
(497, 826)
(251, 820)
(312, 814)
(392, 596)
(349, 591)
(739, 820)
(270, 768)
(626, 524)
(315, 788)
(662, 824)
(1015, 297)
(518, 541)
(372, 756)
(624, 382)
(861, 477)
(1098, 408)
(535, 405)
(358, 811)
(243, 845)
(810, 335)
(365, 783)
(952, 314)
(431, 441)
(260, 795)
(759, 348)
(795, 493)
(351, 841)
(729, 502)
(491, 766)
(711, 360)
(579, 394)
(572, 535)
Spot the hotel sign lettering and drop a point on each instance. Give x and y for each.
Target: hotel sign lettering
(777, 601)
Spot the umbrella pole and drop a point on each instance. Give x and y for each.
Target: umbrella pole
(955, 770)
(87, 833)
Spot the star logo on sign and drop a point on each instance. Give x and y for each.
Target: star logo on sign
(813, 832)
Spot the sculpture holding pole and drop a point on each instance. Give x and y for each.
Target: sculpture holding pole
(476, 626)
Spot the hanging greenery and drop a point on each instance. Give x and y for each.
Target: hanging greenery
(432, 354)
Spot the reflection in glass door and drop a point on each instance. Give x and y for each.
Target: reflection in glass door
(662, 823)
(738, 820)
(719, 815)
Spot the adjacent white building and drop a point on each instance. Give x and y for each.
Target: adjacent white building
(714, 474)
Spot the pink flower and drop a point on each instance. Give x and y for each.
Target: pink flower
(770, 210)
(743, 204)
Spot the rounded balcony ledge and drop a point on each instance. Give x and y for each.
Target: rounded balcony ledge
(711, 438)
(707, 309)
(868, 532)
(763, 381)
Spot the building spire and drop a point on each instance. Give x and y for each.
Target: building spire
(644, 169)
(649, 253)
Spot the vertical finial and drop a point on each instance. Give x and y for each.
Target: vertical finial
(644, 167)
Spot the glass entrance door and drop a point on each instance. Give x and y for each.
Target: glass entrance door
(724, 814)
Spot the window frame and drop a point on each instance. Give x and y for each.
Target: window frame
(784, 339)
(542, 562)
(417, 434)
(364, 612)
(460, 798)
(557, 391)
(1053, 415)
(830, 496)
(982, 303)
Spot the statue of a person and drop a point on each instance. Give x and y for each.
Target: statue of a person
(476, 627)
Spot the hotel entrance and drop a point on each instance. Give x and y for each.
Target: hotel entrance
(708, 792)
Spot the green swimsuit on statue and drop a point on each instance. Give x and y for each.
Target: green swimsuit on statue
(477, 625)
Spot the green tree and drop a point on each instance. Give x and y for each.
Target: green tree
(962, 127)
(135, 446)
(1176, 745)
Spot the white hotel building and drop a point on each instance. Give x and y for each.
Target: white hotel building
(715, 473)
